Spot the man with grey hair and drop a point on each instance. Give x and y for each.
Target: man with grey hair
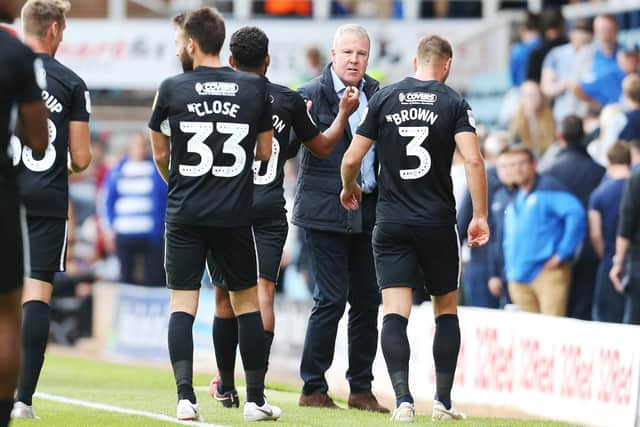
(339, 241)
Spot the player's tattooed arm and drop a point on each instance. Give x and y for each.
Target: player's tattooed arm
(323, 144)
(351, 194)
(79, 146)
(161, 149)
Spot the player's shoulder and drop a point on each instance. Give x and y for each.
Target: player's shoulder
(282, 94)
(58, 69)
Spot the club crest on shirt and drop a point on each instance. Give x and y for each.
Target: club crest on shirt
(217, 88)
(421, 98)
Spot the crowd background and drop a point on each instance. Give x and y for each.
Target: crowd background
(570, 94)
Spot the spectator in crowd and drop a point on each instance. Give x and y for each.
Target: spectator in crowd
(627, 256)
(580, 174)
(529, 33)
(607, 89)
(476, 270)
(594, 148)
(501, 199)
(604, 208)
(135, 203)
(558, 71)
(635, 154)
(600, 58)
(625, 125)
(533, 123)
(543, 227)
(591, 125)
(552, 26)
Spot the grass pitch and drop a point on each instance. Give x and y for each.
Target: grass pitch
(153, 390)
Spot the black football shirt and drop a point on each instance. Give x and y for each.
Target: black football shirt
(414, 123)
(21, 81)
(214, 116)
(289, 111)
(44, 184)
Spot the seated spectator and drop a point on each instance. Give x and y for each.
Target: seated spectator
(625, 126)
(529, 34)
(135, 203)
(558, 71)
(533, 123)
(607, 89)
(553, 35)
(543, 227)
(604, 208)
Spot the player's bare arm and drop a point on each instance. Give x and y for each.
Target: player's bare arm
(323, 144)
(79, 146)
(263, 145)
(478, 231)
(32, 126)
(351, 194)
(160, 147)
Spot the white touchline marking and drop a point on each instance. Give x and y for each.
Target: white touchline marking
(111, 408)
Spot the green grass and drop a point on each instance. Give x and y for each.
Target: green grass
(153, 390)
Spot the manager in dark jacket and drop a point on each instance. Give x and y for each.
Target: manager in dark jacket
(575, 168)
(338, 242)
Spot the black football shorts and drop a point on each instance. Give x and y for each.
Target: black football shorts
(270, 236)
(399, 250)
(11, 249)
(232, 249)
(47, 246)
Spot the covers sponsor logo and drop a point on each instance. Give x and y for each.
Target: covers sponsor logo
(217, 88)
(422, 98)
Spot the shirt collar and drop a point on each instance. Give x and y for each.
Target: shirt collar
(338, 86)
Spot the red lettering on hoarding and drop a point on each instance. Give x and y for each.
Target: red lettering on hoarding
(495, 362)
(537, 369)
(577, 373)
(615, 378)
(94, 50)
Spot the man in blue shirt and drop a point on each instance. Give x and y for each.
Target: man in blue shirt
(604, 208)
(607, 89)
(543, 227)
(520, 52)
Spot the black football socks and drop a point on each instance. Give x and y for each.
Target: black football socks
(446, 346)
(5, 412)
(35, 334)
(396, 351)
(181, 353)
(252, 350)
(225, 342)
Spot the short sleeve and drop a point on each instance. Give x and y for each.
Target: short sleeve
(34, 77)
(80, 103)
(369, 124)
(265, 122)
(465, 120)
(303, 125)
(595, 200)
(160, 107)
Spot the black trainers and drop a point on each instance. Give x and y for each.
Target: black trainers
(228, 399)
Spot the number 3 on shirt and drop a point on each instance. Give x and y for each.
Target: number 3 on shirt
(415, 149)
(201, 131)
(30, 163)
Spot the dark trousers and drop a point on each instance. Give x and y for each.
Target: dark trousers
(583, 282)
(141, 254)
(341, 270)
(608, 303)
(632, 292)
(475, 285)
